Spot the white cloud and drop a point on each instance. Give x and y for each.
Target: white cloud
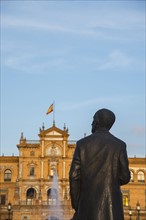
(26, 64)
(30, 23)
(91, 102)
(138, 130)
(80, 22)
(116, 59)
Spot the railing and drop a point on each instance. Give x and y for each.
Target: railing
(72, 141)
(37, 141)
(32, 141)
(37, 202)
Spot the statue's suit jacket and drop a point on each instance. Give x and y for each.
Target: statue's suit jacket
(99, 166)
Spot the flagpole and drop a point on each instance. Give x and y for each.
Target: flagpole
(53, 113)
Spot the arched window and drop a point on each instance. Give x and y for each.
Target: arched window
(30, 196)
(132, 176)
(7, 175)
(140, 176)
(52, 196)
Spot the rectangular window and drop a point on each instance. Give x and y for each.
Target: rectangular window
(125, 194)
(125, 200)
(52, 202)
(2, 199)
(31, 173)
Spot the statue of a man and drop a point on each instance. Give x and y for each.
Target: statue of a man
(99, 167)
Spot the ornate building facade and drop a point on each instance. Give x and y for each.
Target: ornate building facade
(35, 184)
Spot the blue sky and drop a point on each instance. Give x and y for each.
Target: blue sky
(84, 55)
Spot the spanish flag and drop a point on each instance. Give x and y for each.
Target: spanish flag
(50, 109)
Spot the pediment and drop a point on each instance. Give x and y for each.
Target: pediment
(53, 131)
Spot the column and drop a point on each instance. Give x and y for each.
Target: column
(42, 166)
(63, 169)
(64, 154)
(42, 160)
(20, 170)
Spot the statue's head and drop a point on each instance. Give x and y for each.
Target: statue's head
(103, 118)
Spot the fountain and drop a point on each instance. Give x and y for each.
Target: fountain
(55, 208)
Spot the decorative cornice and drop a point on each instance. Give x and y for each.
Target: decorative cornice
(9, 159)
(137, 160)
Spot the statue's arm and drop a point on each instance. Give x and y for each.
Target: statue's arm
(124, 173)
(74, 178)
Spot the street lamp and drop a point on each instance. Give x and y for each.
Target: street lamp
(130, 213)
(9, 210)
(138, 210)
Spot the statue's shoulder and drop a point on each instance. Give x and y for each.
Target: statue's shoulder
(119, 141)
(85, 139)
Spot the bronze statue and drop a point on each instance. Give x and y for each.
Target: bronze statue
(99, 166)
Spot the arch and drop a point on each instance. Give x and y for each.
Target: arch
(7, 175)
(31, 187)
(30, 196)
(52, 196)
(141, 176)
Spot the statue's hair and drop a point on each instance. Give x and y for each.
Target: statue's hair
(104, 118)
